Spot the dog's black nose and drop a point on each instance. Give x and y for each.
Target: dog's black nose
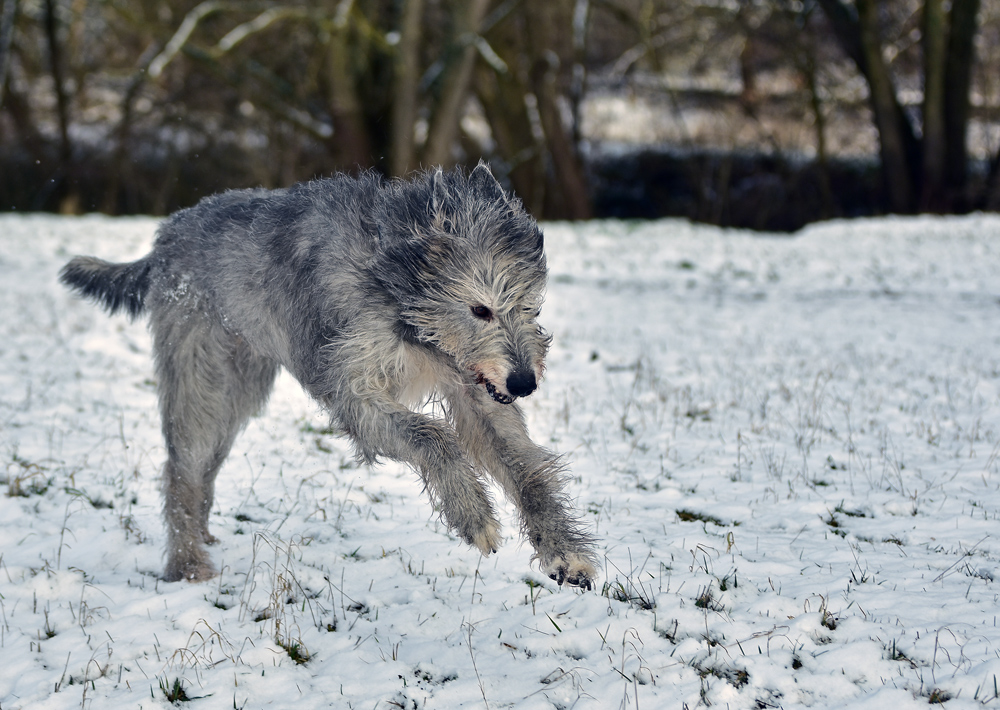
(521, 384)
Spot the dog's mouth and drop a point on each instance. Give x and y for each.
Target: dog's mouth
(491, 388)
(497, 395)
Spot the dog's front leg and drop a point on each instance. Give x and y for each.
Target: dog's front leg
(496, 438)
(381, 427)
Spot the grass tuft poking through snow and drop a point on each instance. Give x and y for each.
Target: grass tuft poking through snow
(788, 446)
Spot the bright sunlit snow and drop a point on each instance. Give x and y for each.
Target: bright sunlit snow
(789, 448)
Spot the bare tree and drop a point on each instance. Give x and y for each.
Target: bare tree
(928, 172)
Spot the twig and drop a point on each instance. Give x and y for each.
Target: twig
(472, 655)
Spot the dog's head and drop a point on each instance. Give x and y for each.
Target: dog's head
(465, 263)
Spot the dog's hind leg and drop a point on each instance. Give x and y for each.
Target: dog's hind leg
(532, 478)
(210, 383)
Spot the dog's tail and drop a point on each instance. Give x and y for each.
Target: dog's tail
(117, 287)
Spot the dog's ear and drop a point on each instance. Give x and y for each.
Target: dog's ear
(439, 192)
(481, 180)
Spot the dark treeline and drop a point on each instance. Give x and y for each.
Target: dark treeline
(816, 108)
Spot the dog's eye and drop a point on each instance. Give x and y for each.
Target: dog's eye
(482, 312)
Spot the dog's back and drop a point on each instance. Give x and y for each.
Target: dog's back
(125, 286)
(253, 257)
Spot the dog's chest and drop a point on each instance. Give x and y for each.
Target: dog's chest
(418, 378)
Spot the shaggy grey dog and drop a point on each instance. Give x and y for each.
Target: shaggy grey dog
(376, 296)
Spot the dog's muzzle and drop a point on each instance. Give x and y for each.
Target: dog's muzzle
(519, 384)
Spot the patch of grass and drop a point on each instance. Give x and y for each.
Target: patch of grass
(736, 677)
(296, 651)
(702, 414)
(359, 608)
(130, 525)
(849, 513)
(894, 654)
(706, 600)
(630, 594)
(828, 620)
(426, 676)
(727, 580)
(173, 692)
(688, 516)
(328, 430)
(49, 629)
(27, 479)
(835, 525)
(938, 697)
(670, 634)
(96, 503)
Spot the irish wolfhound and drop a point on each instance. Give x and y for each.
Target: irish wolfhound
(375, 296)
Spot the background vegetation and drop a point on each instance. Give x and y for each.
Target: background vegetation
(764, 113)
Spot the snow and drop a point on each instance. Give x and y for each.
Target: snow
(789, 448)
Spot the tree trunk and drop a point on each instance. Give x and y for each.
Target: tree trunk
(119, 163)
(448, 113)
(958, 80)
(808, 70)
(502, 96)
(20, 110)
(404, 103)
(55, 63)
(897, 167)
(69, 202)
(8, 16)
(934, 44)
(350, 143)
(571, 198)
(572, 192)
(845, 26)
(857, 33)
(578, 87)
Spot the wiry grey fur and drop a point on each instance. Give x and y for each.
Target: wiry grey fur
(374, 295)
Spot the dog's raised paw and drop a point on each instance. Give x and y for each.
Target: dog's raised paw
(486, 539)
(572, 569)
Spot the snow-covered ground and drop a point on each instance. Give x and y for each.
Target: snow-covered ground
(788, 446)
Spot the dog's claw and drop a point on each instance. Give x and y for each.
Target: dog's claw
(486, 540)
(572, 570)
(581, 580)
